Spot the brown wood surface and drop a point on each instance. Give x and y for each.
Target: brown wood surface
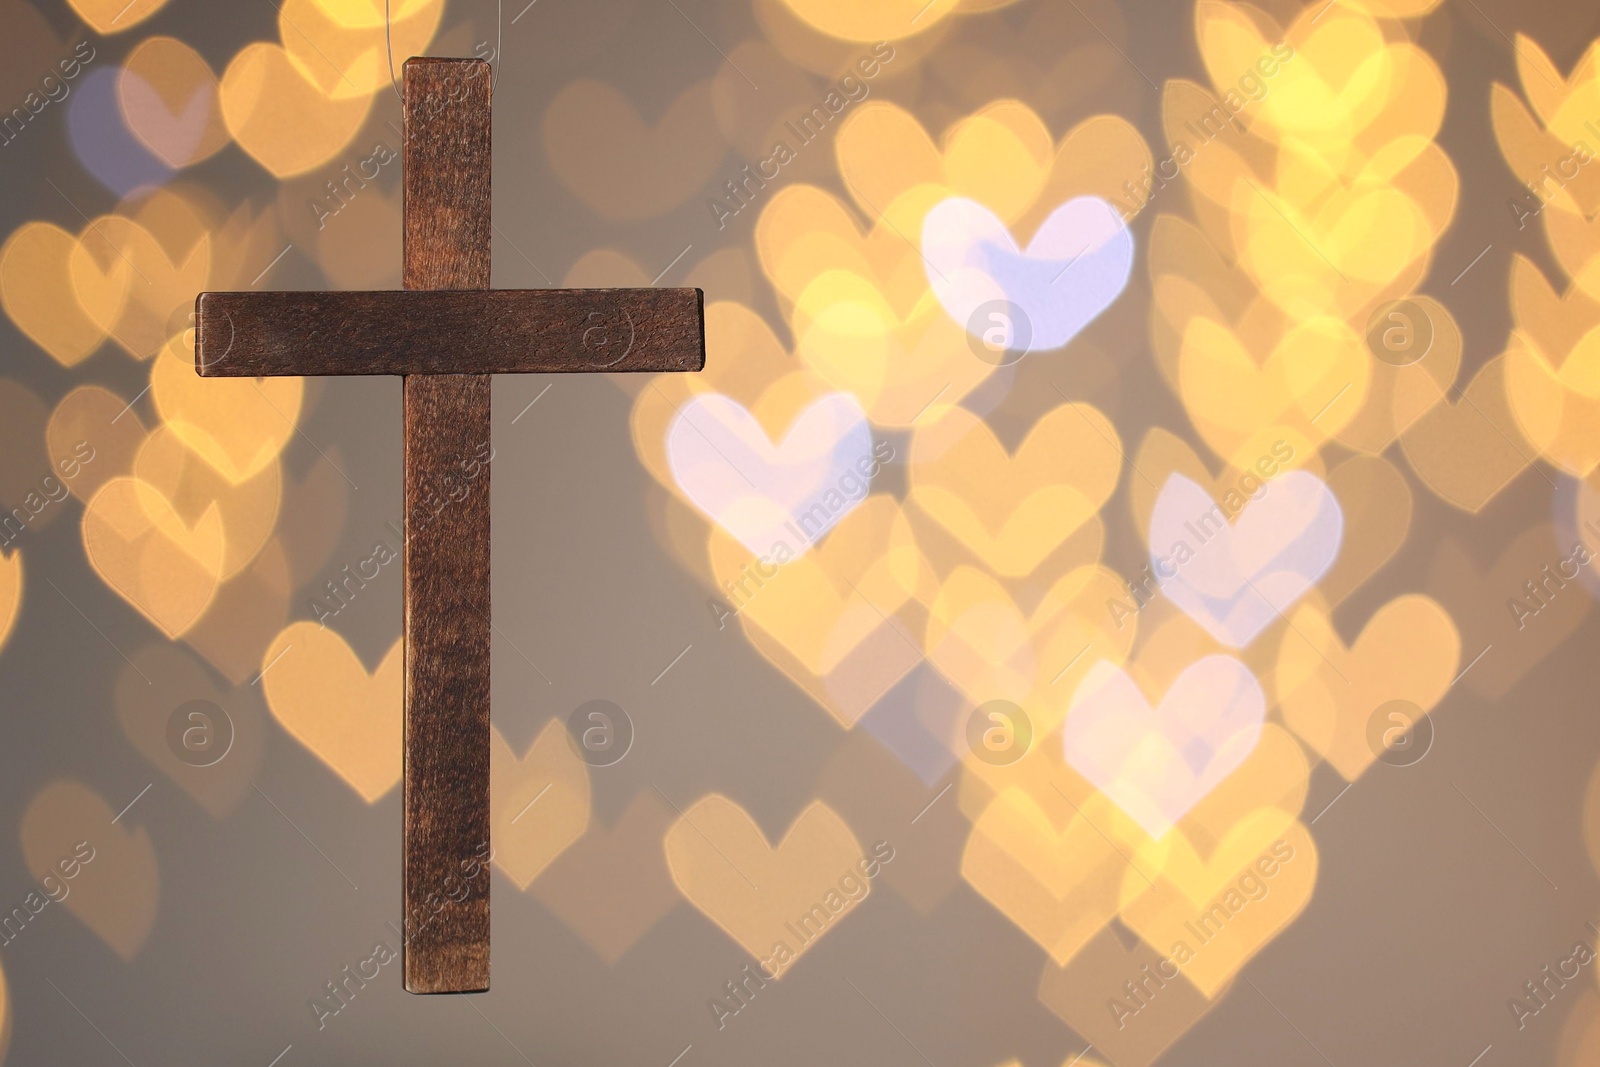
(501, 331)
(447, 628)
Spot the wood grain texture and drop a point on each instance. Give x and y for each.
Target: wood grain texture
(447, 620)
(501, 331)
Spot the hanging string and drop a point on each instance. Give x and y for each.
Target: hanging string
(388, 46)
(499, 40)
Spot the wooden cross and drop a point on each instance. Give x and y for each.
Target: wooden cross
(445, 334)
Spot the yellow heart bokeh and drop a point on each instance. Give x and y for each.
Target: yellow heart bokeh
(1556, 400)
(538, 802)
(1468, 450)
(130, 283)
(10, 592)
(238, 425)
(248, 511)
(1013, 510)
(36, 290)
(1418, 348)
(887, 20)
(71, 837)
(1193, 279)
(805, 232)
(91, 421)
(1183, 871)
(1209, 942)
(774, 902)
(1092, 995)
(979, 639)
(1000, 157)
(346, 55)
(322, 695)
(1555, 321)
(1243, 814)
(828, 619)
(1307, 388)
(140, 546)
(1408, 651)
(366, 14)
(167, 93)
(1535, 603)
(611, 886)
(902, 368)
(1376, 499)
(280, 116)
(247, 614)
(1352, 246)
(1541, 141)
(1059, 886)
(114, 16)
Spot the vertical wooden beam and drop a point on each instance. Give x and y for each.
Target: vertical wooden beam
(446, 823)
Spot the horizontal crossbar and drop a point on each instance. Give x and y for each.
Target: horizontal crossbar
(452, 331)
